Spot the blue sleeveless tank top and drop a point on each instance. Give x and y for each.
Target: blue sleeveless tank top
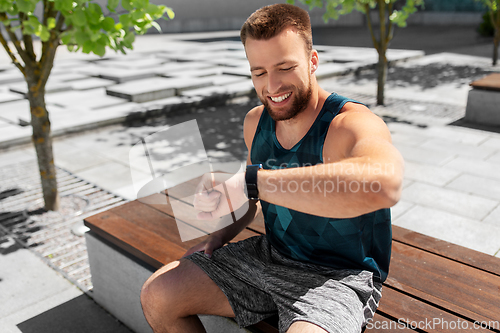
(362, 242)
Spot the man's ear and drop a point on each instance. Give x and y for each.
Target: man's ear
(314, 61)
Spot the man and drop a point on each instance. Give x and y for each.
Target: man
(329, 174)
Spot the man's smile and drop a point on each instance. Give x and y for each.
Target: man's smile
(281, 98)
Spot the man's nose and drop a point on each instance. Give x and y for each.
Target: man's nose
(273, 83)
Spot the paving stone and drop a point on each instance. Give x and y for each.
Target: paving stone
(51, 87)
(87, 99)
(426, 156)
(171, 67)
(13, 134)
(11, 76)
(476, 167)
(7, 96)
(91, 83)
(127, 63)
(492, 142)
(155, 88)
(13, 111)
(407, 139)
(485, 187)
(242, 71)
(495, 158)
(493, 217)
(452, 201)
(450, 133)
(67, 77)
(74, 158)
(110, 175)
(28, 281)
(400, 208)
(471, 151)
(240, 88)
(225, 79)
(332, 69)
(433, 175)
(196, 72)
(452, 228)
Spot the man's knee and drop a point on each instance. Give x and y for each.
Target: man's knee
(158, 293)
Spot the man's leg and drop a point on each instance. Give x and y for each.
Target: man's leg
(301, 326)
(175, 293)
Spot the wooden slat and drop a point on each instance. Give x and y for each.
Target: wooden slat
(490, 82)
(413, 311)
(462, 286)
(452, 251)
(141, 243)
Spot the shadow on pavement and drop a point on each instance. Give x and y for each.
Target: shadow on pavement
(488, 128)
(79, 315)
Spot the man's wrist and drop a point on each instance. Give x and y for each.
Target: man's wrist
(252, 190)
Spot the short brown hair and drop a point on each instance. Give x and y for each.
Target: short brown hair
(269, 21)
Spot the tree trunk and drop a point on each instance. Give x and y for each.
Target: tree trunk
(43, 143)
(496, 41)
(381, 77)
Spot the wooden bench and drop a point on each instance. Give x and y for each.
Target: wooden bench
(433, 286)
(483, 102)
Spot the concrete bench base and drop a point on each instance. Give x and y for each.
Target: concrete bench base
(118, 277)
(483, 107)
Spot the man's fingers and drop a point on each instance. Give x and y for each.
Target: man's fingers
(207, 201)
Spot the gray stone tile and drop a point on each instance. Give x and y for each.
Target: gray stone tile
(400, 208)
(451, 228)
(110, 175)
(228, 62)
(76, 159)
(242, 71)
(492, 142)
(156, 88)
(476, 167)
(332, 69)
(438, 176)
(225, 79)
(7, 96)
(11, 76)
(91, 99)
(14, 134)
(27, 281)
(91, 83)
(471, 151)
(495, 158)
(170, 67)
(68, 76)
(16, 156)
(452, 201)
(407, 139)
(420, 155)
(493, 217)
(485, 187)
(51, 87)
(126, 63)
(197, 72)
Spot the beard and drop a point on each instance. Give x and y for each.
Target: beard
(301, 98)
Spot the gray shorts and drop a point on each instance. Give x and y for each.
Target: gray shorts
(259, 282)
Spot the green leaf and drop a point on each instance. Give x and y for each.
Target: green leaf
(51, 23)
(25, 6)
(125, 20)
(170, 13)
(81, 37)
(112, 4)
(14, 28)
(66, 37)
(88, 47)
(156, 26)
(44, 34)
(79, 17)
(127, 5)
(99, 49)
(108, 24)
(94, 13)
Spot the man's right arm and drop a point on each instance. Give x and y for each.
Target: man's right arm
(220, 237)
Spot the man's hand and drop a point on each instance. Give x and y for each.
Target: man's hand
(219, 194)
(210, 244)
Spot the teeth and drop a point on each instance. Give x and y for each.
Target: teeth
(280, 98)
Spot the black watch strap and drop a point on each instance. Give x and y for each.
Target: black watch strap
(251, 181)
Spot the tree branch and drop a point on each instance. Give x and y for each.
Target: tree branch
(390, 30)
(381, 15)
(11, 54)
(15, 41)
(27, 40)
(49, 51)
(370, 27)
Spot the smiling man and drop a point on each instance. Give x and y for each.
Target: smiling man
(324, 172)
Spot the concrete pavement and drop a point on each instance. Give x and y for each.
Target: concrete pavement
(451, 186)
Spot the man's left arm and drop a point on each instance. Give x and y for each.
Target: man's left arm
(362, 171)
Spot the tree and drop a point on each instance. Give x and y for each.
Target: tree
(79, 24)
(388, 16)
(494, 13)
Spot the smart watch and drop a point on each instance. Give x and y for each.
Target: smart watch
(251, 181)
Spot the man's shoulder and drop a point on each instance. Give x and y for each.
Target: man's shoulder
(253, 116)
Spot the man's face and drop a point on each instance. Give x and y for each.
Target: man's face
(281, 73)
